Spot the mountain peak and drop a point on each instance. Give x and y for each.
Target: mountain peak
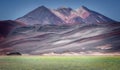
(83, 12)
(64, 8)
(85, 8)
(42, 7)
(41, 15)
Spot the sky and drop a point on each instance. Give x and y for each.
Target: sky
(13, 9)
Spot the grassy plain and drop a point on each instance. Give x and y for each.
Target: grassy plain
(59, 62)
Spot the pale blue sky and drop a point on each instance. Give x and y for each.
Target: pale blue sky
(12, 9)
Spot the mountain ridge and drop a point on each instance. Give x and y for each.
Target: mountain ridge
(63, 15)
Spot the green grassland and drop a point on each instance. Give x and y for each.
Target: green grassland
(59, 62)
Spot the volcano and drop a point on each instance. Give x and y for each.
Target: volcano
(43, 15)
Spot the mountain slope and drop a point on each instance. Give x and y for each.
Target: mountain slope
(7, 26)
(81, 39)
(90, 16)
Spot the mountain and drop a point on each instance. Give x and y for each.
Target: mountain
(63, 15)
(61, 31)
(41, 15)
(82, 39)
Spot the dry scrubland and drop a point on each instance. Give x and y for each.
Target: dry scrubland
(59, 62)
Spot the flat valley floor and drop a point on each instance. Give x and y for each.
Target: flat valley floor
(59, 62)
